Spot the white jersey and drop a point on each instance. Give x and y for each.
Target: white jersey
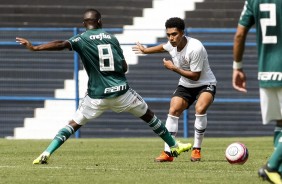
(193, 57)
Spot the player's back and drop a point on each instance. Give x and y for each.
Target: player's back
(267, 17)
(97, 45)
(103, 61)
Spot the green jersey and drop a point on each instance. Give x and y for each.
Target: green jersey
(103, 61)
(267, 17)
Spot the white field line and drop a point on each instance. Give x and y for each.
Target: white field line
(47, 167)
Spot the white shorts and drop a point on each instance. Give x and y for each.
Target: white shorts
(271, 104)
(90, 108)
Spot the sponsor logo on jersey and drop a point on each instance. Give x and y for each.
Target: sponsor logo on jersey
(76, 39)
(265, 76)
(100, 36)
(115, 89)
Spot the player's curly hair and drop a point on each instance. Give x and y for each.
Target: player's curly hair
(175, 22)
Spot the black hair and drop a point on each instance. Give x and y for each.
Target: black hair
(175, 22)
(96, 12)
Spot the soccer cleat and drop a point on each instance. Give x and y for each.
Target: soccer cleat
(164, 157)
(270, 175)
(42, 159)
(179, 148)
(196, 155)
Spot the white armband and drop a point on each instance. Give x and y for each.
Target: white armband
(237, 65)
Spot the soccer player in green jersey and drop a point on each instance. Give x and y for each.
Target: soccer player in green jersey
(105, 65)
(266, 15)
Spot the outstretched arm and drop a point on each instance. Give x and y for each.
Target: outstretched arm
(239, 77)
(54, 45)
(140, 49)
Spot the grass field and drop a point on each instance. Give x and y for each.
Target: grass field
(128, 161)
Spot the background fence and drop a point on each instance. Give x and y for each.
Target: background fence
(29, 79)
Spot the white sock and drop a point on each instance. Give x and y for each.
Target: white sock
(45, 153)
(200, 127)
(172, 126)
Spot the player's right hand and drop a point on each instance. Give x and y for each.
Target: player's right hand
(239, 80)
(24, 42)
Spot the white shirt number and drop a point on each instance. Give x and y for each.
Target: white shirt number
(106, 60)
(265, 22)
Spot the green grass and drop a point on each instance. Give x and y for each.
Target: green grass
(128, 161)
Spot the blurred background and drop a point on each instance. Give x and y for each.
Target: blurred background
(39, 91)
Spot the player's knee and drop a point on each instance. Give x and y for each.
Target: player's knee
(175, 111)
(74, 125)
(148, 116)
(200, 109)
(279, 123)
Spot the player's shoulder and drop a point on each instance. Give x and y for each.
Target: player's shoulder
(195, 43)
(194, 40)
(168, 47)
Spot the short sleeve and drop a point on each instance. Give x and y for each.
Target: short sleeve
(247, 15)
(74, 41)
(168, 47)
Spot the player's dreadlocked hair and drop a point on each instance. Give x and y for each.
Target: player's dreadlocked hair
(175, 22)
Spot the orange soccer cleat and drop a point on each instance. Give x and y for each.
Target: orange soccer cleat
(196, 155)
(164, 157)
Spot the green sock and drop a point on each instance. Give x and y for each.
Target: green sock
(160, 129)
(277, 135)
(280, 169)
(276, 158)
(60, 138)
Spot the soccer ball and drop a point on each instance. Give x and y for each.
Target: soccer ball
(237, 153)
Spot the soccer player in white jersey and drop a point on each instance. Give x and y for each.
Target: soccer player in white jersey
(103, 60)
(197, 82)
(266, 15)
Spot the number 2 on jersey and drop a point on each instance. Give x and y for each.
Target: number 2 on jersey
(265, 22)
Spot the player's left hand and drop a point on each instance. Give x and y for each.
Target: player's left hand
(169, 64)
(24, 42)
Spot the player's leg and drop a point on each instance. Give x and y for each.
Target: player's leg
(172, 126)
(85, 111)
(276, 140)
(271, 103)
(139, 108)
(205, 99)
(59, 139)
(177, 106)
(277, 133)
(159, 128)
